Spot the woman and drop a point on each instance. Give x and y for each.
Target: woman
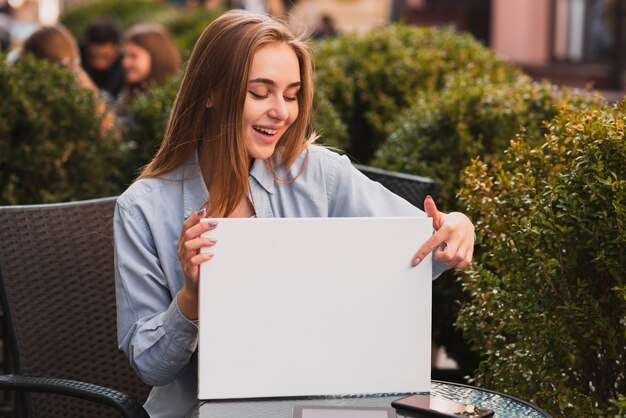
(238, 144)
(150, 57)
(57, 45)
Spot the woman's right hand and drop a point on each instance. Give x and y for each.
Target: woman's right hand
(189, 244)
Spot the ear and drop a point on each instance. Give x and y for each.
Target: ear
(209, 103)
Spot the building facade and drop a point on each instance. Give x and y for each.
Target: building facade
(573, 42)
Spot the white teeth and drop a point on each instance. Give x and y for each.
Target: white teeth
(266, 130)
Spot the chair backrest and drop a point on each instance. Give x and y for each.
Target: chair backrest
(57, 274)
(412, 188)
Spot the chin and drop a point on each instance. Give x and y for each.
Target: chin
(262, 153)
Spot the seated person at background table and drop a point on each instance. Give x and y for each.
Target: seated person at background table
(238, 144)
(150, 58)
(57, 45)
(101, 54)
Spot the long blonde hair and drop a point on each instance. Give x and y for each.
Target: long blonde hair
(217, 73)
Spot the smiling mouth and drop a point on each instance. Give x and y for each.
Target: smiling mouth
(265, 131)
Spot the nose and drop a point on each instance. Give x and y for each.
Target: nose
(279, 109)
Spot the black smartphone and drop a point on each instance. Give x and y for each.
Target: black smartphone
(434, 406)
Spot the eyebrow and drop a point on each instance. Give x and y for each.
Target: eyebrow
(272, 83)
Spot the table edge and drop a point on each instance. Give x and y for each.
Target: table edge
(535, 407)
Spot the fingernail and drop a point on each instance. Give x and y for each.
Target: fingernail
(416, 262)
(201, 212)
(429, 197)
(212, 223)
(212, 240)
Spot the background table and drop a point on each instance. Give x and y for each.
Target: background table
(504, 406)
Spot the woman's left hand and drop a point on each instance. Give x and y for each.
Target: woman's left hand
(454, 239)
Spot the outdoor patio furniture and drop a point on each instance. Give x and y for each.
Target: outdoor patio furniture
(412, 188)
(58, 293)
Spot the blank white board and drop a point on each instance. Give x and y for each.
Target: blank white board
(314, 306)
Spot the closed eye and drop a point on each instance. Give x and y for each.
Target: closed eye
(258, 96)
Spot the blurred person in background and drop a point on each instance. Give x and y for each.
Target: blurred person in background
(150, 58)
(101, 54)
(325, 28)
(57, 45)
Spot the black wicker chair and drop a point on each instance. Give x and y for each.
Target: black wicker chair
(58, 294)
(412, 188)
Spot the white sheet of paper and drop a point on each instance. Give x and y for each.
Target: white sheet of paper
(315, 306)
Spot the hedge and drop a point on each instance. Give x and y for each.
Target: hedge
(370, 78)
(143, 133)
(439, 135)
(186, 27)
(548, 293)
(52, 144)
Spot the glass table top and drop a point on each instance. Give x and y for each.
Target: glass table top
(503, 405)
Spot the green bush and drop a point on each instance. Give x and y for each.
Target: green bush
(618, 407)
(187, 26)
(327, 123)
(143, 132)
(469, 117)
(52, 145)
(127, 13)
(548, 293)
(440, 135)
(370, 78)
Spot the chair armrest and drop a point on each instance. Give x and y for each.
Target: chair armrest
(125, 404)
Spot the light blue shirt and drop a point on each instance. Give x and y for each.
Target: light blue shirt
(158, 340)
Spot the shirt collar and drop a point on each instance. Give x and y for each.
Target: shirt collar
(195, 193)
(262, 174)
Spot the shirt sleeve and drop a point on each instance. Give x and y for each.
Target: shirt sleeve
(351, 193)
(155, 336)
